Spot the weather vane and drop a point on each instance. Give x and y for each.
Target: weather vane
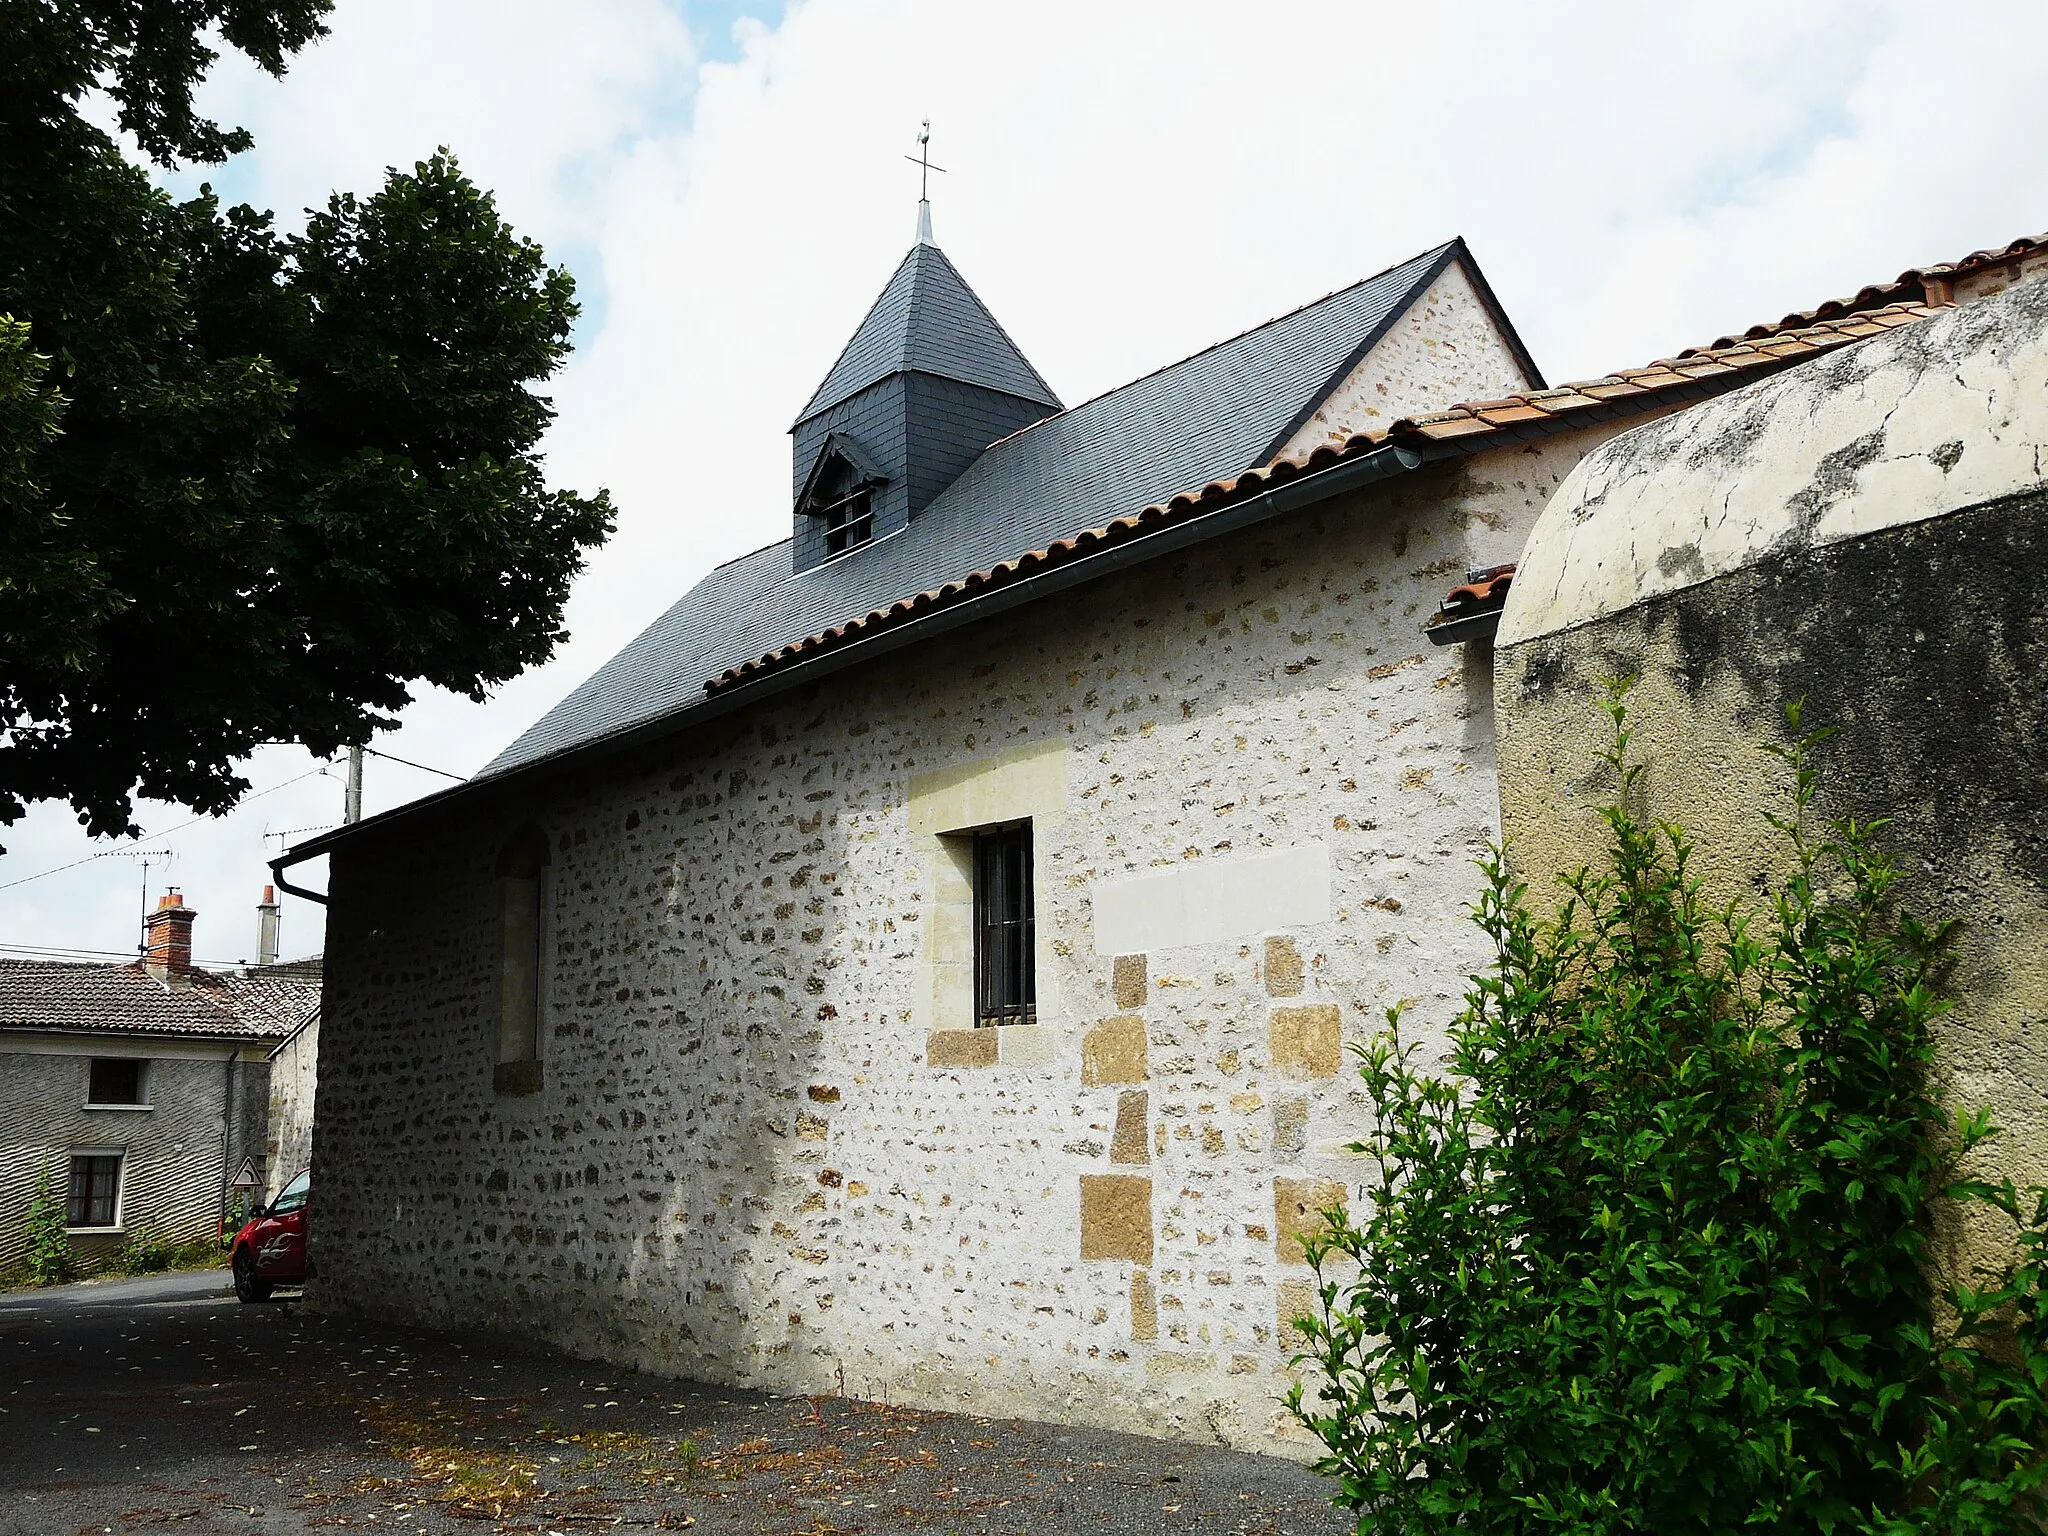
(923, 161)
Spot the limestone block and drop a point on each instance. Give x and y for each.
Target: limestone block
(1114, 1052)
(516, 1077)
(1306, 1042)
(1024, 1045)
(1026, 781)
(1127, 1144)
(1290, 1126)
(1298, 1205)
(1212, 900)
(1144, 1307)
(1294, 1297)
(1283, 967)
(961, 1047)
(1129, 982)
(1116, 1217)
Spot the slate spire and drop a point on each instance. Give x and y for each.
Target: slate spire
(928, 381)
(929, 321)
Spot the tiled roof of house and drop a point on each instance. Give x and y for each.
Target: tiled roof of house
(1214, 414)
(126, 1000)
(928, 320)
(1916, 285)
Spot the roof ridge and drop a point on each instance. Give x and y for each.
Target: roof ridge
(1251, 330)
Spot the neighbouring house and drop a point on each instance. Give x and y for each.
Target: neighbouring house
(921, 963)
(141, 1090)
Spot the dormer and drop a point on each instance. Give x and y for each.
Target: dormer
(928, 381)
(841, 495)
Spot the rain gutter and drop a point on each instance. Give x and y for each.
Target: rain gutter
(1305, 490)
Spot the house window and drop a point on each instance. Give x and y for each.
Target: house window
(95, 1198)
(1005, 978)
(115, 1081)
(522, 871)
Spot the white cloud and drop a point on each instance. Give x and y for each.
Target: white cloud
(1126, 183)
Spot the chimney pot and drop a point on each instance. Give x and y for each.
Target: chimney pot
(267, 927)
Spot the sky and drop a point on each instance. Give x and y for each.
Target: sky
(1125, 183)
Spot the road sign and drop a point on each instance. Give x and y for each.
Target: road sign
(246, 1177)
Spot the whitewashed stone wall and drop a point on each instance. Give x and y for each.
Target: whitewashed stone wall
(294, 1077)
(762, 1153)
(1444, 350)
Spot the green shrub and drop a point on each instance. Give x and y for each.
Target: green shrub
(49, 1259)
(146, 1253)
(1654, 1259)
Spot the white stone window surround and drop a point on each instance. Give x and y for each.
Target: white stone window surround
(141, 1105)
(120, 1190)
(524, 892)
(947, 806)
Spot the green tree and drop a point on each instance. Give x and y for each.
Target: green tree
(1655, 1257)
(254, 485)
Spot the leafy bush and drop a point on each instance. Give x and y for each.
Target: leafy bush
(147, 1253)
(49, 1259)
(1655, 1258)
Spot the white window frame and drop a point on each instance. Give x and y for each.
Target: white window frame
(120, 1156)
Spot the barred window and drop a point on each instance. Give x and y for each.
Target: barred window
(1005, 979)
(95, 1197)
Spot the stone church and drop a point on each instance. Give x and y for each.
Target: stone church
(922, 962)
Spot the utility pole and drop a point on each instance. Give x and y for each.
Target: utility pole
(352, 797)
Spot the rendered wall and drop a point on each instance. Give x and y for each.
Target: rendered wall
(171, 1174)
(1868, 533)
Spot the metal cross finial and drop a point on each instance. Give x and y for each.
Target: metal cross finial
(923, 161)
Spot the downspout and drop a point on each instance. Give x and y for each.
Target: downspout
(227, 1133)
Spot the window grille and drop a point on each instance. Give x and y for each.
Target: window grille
(95, 1190)
(1005, 979)
(849, 521)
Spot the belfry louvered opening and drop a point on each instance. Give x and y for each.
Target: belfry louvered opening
(842, 499)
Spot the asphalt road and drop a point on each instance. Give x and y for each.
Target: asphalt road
(163, 1404)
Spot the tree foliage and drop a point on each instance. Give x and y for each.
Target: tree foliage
(254, 485)
(1655, 1257)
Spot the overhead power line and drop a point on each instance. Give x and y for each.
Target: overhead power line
(121, 853)
(392, 757)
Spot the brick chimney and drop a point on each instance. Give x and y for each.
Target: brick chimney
(266, 927)
(167, 941)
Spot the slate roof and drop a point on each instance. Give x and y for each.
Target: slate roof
(126, 1000)
(1213, 415)
(929, 321)
(1469, 428)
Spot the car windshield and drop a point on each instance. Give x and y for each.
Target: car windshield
(293, 1196)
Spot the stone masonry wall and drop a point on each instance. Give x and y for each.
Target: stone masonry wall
(761, 1149)
(294, 1075)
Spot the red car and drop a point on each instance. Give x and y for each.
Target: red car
(271, 1250)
